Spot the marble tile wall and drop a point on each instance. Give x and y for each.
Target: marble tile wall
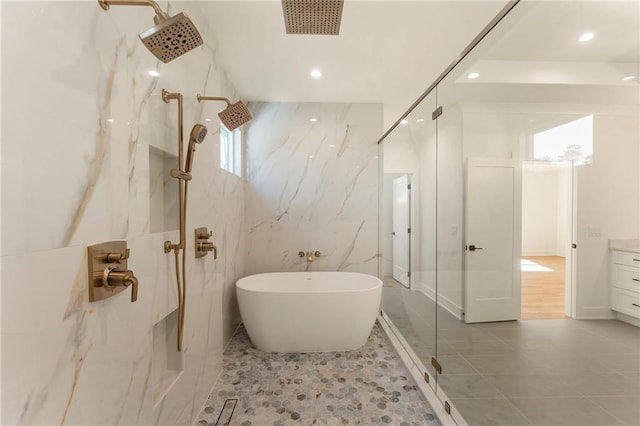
(80, 119)
(313, 185)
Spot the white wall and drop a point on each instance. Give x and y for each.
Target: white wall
(540, 220)
(313, 186)
(80, 115)
(608, 206)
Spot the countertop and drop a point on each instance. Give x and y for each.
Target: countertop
(625, 245)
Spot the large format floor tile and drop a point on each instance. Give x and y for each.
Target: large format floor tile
(624, 408)
(564, 411)
(367, 386)
(557, 372)
(490, 412)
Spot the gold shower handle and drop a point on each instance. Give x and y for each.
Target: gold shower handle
(118, 278)
(113, 257)
(204, 247)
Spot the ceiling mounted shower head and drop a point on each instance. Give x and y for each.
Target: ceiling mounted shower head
(170, 38)
(315, 17)
(234, 115)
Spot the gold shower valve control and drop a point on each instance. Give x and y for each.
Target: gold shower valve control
(108, 272)
(203, 245)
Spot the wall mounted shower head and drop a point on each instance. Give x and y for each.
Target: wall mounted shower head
(170, 38)
(234, 115)
(198, 134)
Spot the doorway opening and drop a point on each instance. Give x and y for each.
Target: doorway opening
(396, 266)
(548, 213)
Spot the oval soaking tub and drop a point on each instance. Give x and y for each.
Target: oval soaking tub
(309, 311)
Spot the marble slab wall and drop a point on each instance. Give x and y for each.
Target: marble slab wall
(313, 186)
(82, 125)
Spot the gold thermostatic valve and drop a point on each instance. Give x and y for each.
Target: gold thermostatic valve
(108, 273)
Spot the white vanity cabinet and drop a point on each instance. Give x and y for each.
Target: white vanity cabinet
(625, 283)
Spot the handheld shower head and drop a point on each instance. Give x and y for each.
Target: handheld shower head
(234, 115)
(197, 135)
(171, 37)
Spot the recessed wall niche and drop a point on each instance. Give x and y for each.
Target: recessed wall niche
(167, 365)
(163, 191)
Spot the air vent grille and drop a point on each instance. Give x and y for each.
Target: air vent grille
(321, 17)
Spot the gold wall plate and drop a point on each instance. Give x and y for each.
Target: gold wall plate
(97, 255)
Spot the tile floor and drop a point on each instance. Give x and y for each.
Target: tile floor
(367, 386)
(530, 372)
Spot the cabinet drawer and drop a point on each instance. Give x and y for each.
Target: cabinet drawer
(625, 277)
(627, 302)
(625, 258)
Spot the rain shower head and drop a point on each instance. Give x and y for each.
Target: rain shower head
(170, 38)
(198, 134)
(234, 115)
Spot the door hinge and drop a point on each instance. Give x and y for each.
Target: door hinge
(426, 377)
(436, 113)
(408, 230)
(409, 274)
(574, 246)
(409, 187)
(436, 365)
(447, 407)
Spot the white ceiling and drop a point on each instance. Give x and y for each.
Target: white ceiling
(387, 51)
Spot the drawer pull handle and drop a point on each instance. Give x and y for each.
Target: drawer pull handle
(635, 304)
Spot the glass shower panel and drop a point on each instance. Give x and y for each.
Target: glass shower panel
(526, 162)
(408, 240)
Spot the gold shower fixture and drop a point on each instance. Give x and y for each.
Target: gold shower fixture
(234, 115)
(170, 38)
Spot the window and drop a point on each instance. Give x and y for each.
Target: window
(231, 151)
(569, 142)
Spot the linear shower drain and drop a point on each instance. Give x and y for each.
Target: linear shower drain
(224, 419)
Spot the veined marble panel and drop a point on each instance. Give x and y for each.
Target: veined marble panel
(312, 185)
(80, 116)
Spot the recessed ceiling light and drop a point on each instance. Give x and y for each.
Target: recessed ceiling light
(405, 121)
(473, 75)
(586, 37)
(419, 120)
(628, 78)
(110, 120)
(314, 120)
(316, 73)
(154, 73)
(332, 146)
(311, 156)
(207, 119)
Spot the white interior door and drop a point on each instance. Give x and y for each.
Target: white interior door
(401, 230)
(492, 240)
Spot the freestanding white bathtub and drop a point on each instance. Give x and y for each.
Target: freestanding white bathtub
(309, 311)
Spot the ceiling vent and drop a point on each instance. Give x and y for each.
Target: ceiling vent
(320, 17)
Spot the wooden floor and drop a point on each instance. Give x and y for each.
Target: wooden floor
(543, 291)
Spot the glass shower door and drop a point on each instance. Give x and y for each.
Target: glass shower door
(408, 234)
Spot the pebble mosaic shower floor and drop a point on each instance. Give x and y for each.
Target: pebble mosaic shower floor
(368, 386)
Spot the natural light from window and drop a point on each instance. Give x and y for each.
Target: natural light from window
(530, 266)
(231, 151)
(569, 142)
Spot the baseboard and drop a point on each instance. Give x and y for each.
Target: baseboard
(444, 302)
(596, 312)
